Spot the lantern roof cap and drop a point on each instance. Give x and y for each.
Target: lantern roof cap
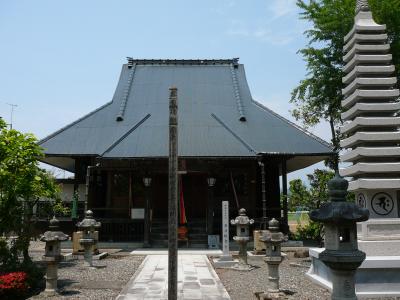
(53, 234)
(88, 221)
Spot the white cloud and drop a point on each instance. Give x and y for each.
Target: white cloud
(280, 8)
(263, 34)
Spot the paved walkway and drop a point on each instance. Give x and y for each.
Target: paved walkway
(196, 279)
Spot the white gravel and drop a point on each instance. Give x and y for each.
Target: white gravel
(103, 282)
(243, 285)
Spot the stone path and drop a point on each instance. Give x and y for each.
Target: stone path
(196, 280)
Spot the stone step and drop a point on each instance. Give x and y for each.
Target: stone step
(181, 244)
(191, 236)
(193, 222)
(191, 230)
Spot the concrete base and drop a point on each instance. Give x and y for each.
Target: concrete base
(222, 262)
(242, 267)
(378, 276)
(48, 294)
(383, 229)
(380, 248)
(101, 255)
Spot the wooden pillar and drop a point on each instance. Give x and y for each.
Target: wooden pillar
(173, 197)
(210, 205)
(130, 195)
(285, 223)
(147, 221)
(272, 189)
(109, 191)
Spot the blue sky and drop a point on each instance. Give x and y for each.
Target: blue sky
(61, 59)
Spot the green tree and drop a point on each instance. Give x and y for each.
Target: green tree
(299, 195)
(22, 184)
(312, 196)
(318, 97)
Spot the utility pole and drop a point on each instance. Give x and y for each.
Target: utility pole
(173, 196)
(12, 112)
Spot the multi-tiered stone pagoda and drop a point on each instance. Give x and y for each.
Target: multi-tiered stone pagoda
(371, 130)
(371, 139)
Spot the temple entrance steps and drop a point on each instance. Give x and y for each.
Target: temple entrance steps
(197, 233)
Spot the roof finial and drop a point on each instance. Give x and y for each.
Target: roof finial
(362, 5)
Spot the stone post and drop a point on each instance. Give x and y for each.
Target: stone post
(52, 255)
(242, 237)
(88, 227)
(225, 260)
(173, 196)
(341, 252)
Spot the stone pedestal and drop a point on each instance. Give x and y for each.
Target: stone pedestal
(51, 275)
(378, 276)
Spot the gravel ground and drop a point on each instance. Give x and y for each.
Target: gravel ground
(103, 282)
(243, 285)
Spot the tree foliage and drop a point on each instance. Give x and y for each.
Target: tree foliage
(22, 184)
(312, 196)
(318, 97)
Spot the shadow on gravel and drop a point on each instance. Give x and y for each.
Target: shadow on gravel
(69, 293)
(63, 283)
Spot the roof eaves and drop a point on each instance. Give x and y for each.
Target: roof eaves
(73, 123)
(318, 139)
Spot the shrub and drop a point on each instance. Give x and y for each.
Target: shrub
(13, 285)
(311, 231)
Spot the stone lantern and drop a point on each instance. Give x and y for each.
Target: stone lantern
(242, 237)
(88, 226)
(341, 252)
(273, 238)
(53, 237)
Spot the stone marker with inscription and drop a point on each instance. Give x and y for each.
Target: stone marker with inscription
(226, 259)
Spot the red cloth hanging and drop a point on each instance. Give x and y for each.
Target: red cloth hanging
(182, 212)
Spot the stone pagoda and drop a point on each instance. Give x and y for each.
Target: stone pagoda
(371, 160)
(371, 136)
(371, 130)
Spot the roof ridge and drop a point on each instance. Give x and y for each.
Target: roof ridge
(318, 139)
(236, 92)
(45, 139)
(126, 92)
(234, 61)
(243, 142)
(122, 137)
